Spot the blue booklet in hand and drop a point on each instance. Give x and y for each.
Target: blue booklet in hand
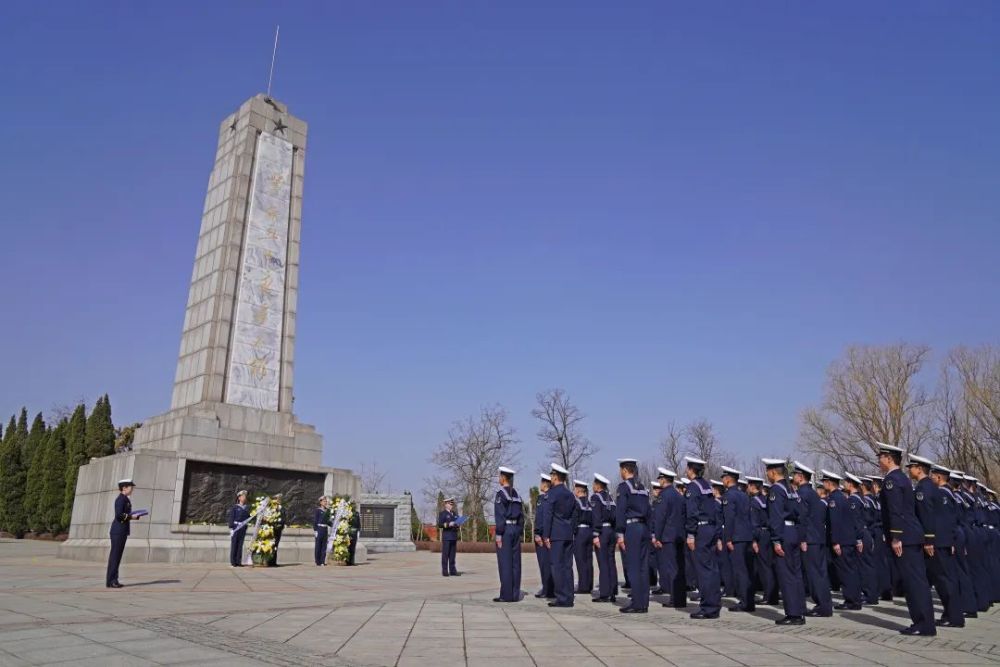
(138, 513)
(460, 520)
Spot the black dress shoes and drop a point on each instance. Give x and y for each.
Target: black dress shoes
(659, 591)
(819, 614)
(736, 608)
(632, 610)
(791, 620)
(700, 615)
(912, 631)
(607, 599)
(560, 604)
(848, 607)
(115, 584)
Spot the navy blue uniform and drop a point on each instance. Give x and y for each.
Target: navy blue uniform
(847, 529)
(738, 531)
(668, 529)
(559, 528)
(542, 553)
(321, 532)
(508, 512)
(237, 515)
(814, 564)
(632, 515)
(701, 524)
(449, 541)
(603, 508)
(939, 517)
(783, 517)
(765, 554)
(871, 585)
(120, 529)
(899, 520)
(583, 547)
(975, 546)
(966, 590)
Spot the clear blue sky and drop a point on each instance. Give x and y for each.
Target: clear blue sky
(672, 210)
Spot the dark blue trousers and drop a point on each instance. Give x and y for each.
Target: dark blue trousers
(542, 555)
(765, 570)
(977, 567)
(883, 571)
(636, 560)
(236, 547)
(607, 567)
(583, 554)
(789, 570)
(448, 551)
(706, 565)
(115, 557)
(869, 575)
(819, 581)
(742, 562)
(726, 572)
(561, 560)
(509, 564)
(670, 564)
(942, 571)
(913, 576)
(848, 566)
(319, 550)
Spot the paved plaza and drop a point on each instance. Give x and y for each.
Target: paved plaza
(398, 610)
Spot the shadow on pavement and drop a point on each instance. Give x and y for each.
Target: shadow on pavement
(865, 619)
(153, 583)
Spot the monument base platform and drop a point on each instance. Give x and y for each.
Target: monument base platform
(187, 466)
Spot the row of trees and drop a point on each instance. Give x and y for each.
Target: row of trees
(892, 394)
(39, 464)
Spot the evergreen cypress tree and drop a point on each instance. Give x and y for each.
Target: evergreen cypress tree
(53, 492)
(13, 478)
(100, 430)
(33, 454)
(76, 456)
(4, 443)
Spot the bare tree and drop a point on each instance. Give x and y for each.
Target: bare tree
(560, 429)
(670, 448)
(468, 460)
(872, 395)
(704, 444)
(968, 425)
(373, 479)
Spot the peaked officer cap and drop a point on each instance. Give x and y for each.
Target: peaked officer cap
(624, 461)
(733, 472)
(664, 472)
(799, 467)
(833, 477)
(852, 478)
(547, 478)
(601, 478)
(507, 471)
(773, 463)
(559, 469)
(888, 449)
(915, 460)
(577, 482)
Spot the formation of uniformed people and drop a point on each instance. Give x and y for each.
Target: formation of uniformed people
(792, 540)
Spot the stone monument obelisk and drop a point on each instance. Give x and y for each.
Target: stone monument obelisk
(230, 424)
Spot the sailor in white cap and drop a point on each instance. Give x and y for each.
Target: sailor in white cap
(966, 548)
(846, 539)
(508, 514)
(120, 530)
(977, 542)
(603, 508)
(783, 511)
(541, 552)
(583, 539)
(907, 541)
(761, 546)
(632, 528)
(813, 535)
(238, 515)
(737, 536)
(321, 530)
(703, 534)
(557, 532)
(448, 523)
(667, 535)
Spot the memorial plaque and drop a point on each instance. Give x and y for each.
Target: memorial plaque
(210, 490)
(378, 521)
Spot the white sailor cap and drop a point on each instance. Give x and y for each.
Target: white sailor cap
(800, 467)
(559, 469)
(624, 461)
(733, 472)
(693, 462)
(832, 476)
(755, 480)
(773, 463)
(938, 468)
(888, 449)
(579, 482)
(655, 484)
(715, 482)
(957, 474)
(852, 478)
(125, 482)
(449, 500)
(970, 478)
(242, 492)
(507, 471)
(321, 498)
(683, 481)
(767, 485)
(666, 473)
(742, 481)
(914, 460)
(545, 477)
(601, 478)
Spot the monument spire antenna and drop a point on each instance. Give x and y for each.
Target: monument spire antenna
(274, 52)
